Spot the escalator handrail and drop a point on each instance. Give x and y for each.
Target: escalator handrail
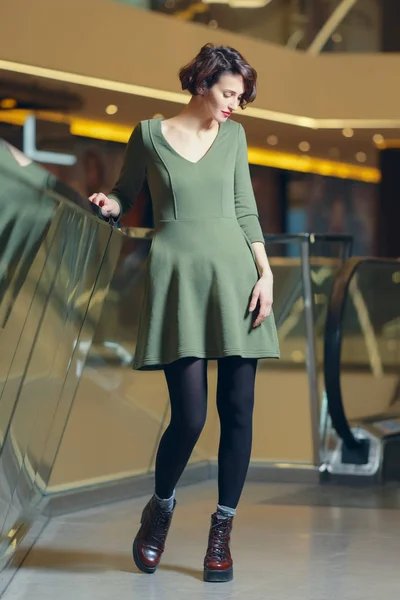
(333, 345)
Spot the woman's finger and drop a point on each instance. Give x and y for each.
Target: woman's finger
(265, 311)
(99, 199)
(257, 322)
(254, 299)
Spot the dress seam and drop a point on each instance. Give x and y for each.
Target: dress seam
(252, 353)
(167, 170)
(199, 219)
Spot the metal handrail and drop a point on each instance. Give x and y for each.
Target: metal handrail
(333, 345)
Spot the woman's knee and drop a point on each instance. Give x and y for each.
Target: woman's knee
(236, 414)
(194, 425)
(189, 426)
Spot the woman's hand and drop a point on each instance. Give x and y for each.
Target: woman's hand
(109, 206)
(262, 294)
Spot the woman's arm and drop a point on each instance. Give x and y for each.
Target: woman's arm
(245, 202)
(247, 215)
(261, 259)
(130, 181)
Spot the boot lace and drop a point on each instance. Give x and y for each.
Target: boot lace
(219, 539)
(161, 524)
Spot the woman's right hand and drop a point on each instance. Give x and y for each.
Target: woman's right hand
(109, 207)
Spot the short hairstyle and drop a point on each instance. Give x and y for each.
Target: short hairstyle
(210, 64)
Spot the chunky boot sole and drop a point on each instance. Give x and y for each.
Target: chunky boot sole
(215, 576)
(138, 562)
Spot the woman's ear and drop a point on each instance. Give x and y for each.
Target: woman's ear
(201, 90)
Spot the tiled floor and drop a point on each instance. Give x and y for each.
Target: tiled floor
(281, 549)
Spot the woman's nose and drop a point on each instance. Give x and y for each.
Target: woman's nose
(233, 104)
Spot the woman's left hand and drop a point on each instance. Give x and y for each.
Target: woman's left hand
(262, 295)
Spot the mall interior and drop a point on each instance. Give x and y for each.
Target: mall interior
(319, 517)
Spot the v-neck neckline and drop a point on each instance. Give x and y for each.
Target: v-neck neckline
(160, 119)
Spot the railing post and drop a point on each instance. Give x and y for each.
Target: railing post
(311, 359)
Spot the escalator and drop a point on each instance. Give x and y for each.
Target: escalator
(362, 372)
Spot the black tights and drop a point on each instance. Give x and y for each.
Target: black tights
(187, 385)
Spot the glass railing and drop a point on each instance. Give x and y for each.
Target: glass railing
(52, 290)
(362, 351)
(292, 23)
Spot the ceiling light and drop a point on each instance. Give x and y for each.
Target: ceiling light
(361, 157)
(111, 109)
(248, 3)
(272, 140)
(337, 38)
(396, 277)
(8, 103)
(378, 139)
(158, 116)
(297, 356)
(348, 132)
(304, 146)
(240, 3)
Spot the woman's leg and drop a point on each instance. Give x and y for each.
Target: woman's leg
(235, 403)
(187, 385)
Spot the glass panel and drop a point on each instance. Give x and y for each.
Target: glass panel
(128, 408)
(51, 295)
(370, 355)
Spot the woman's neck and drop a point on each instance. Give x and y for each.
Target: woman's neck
(193, 117)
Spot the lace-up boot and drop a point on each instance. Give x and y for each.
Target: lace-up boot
(218, 561)
(150, 541)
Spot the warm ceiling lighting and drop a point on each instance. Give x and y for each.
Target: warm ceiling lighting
(183, 98)
(361, 157)
(240, 3)
(337, 38)
(109, 131)
(348, 132)
(158, 116)
(272, 140)
(304, 146)
(378, 139)
(8, 103)
(111, 109)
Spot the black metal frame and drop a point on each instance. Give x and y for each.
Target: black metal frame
(333, 346)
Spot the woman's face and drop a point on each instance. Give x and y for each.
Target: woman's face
(223, 98)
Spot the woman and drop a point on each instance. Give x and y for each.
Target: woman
(208, 291)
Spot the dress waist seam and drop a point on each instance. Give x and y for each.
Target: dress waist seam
(198, 219)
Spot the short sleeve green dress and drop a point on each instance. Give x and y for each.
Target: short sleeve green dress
(201, 270)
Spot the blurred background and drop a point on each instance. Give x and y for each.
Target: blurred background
(316, 133)
(78, 427)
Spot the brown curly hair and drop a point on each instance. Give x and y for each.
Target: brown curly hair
(210, 64)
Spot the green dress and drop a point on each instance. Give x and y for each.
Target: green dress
(201, 270)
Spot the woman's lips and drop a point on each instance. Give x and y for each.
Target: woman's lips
(227, 114)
